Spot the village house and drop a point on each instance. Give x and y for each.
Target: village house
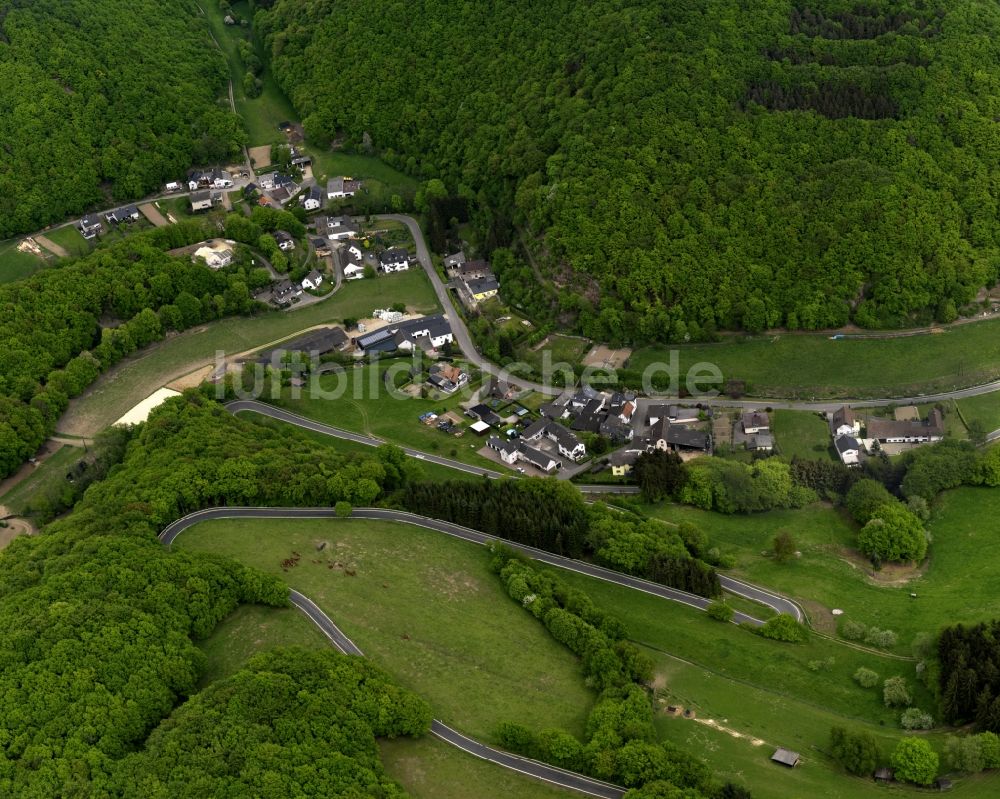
(678, 438)
(452, 262)
(313, 280)
(761, 442)
(315, 343)
(321, 246)
(426, 332)
(918, 431)
(340, 187)
(90, 226)
(285, 240)
(284, 291)
(314, 199)
(473, 270)
(447, 377)
(127, 214)
(341, 227)
(848, 449)
(216, 254)
(755, 422)
(353, 268)
(483, 288)
(354, 251)
(201, 201)
(623, 460)
(843, 422)
(395, 260)
(566, 441)
(513, 452)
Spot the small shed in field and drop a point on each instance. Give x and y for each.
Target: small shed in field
(785, 757)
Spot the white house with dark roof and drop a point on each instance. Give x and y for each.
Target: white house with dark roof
(127, 213)
(755, 422)
(314, 199)
(848, 449)
(313, 280)
(90, 226)
(339, 187)
(843, 422)
(394, 260)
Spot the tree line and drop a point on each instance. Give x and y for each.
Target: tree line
(551, 515)
(61, 328)
(620, 745)
(111, 107)
(619, 145)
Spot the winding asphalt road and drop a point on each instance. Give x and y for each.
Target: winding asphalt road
(532, 768)
(779, 603)
(238, 406)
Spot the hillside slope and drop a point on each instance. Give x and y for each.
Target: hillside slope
(683, 166)
(104, 100)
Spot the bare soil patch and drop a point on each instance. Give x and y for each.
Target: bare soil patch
(890, 575)
(604, 357)
(261, 156)
(50, 245)
(152, 213)
(15, 526)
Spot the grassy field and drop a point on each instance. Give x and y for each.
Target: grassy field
(807, 366)
(568, 349)
(985, 408)
(802, 434)
(136, 378)
(15, 265)
(426, 767)
(431, 769)
(70, 239)
(366, 406)
(49, 474)
(959, 583)
(378, 178)
(424, 607)
(261, 115)
(430, 471)
(252, 629)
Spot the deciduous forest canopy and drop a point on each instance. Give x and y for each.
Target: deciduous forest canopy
(681, 166)
(103, 98)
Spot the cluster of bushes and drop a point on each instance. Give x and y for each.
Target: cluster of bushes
(973, 753)
(551, 515)
(733, 487)
(574, 621)
(781, 628)
(57, 338)
(873, 636)
(858, 752)
(620, 742)
(890, 530)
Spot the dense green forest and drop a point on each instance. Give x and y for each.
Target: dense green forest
(97, 618)
(290, 723)
(104, 101)
(61, 328)
(676, 168)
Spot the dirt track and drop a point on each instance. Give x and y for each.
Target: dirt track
(51, 246)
